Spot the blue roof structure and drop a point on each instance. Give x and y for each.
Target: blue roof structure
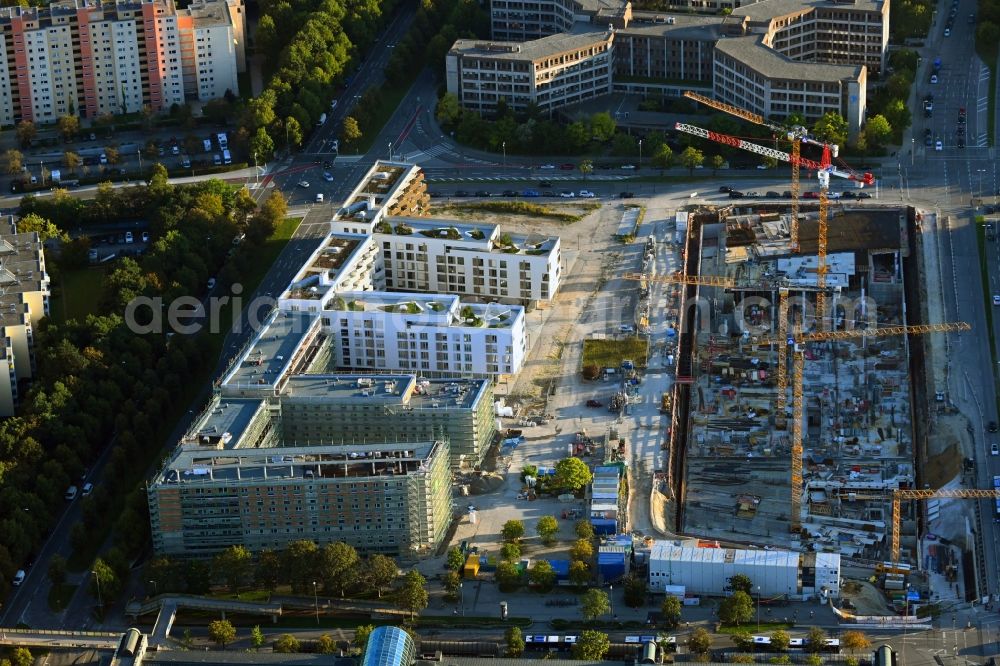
(389, 646)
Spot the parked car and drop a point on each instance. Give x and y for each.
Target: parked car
(145, 236)
(87, 489)
(587, 194)
(772, 195)
(547, 166)
(938, 146)
(735, 194)
(566, 194)
(725, 189)
(628, 167)
(544, 183)
(461, 193)
(304, 184)
(509, 193)
(625, 195)
(211, 284)
(992, 426)
(18, 578)
(594, 403)
(482, 193)
(567, 166)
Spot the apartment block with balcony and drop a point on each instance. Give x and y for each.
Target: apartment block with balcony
(89, 58)
(380, 498)
(550, 72)
(24, 300)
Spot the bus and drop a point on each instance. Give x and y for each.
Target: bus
(996, 502)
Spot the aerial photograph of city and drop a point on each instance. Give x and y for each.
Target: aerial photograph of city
(472, 332)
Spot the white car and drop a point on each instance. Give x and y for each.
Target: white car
(327, 176)
(996, 299)
(87, 489)
(175, 150)
(567, 195)
(319, 197)
(763, 166)
(994, 449)
(947, 32)
(938, 146)
(18, 578)
(587, 194)
(547, 166)
(628, 166)
(834, 195)
(129, 238)
(211, 284)
(303, 184)
(934, 78)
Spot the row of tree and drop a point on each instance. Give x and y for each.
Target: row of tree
(97, 381)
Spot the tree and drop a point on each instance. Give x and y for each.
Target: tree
(700, 641)
(692, 158)
(987, 32)
(718, 161)
(582, 550)
(456, 559)
(514, 641)
(814, 660)
(412, 595)
(113, 155)
(361, 634)
(670, 609)
(256, 638)
(339, 566)
(293, 133)
(579, 573)
(741, 583)
(877, 131)
(508, 576)
(222, 632)
(268, 570)
(380, 572)
(736, 609)
(780, 640)
(572, 474)
(584, 529)
(510, 552)
(57, 570)
(325, 644)
(586, 168)
(547, 528)
(105, 582)
(69, 126)
(602, 126)
(742, 659)
(451, 582)
(71, 160)
(512, 531)
(594, 603)
(46, 230)
(663, 157)
(351, 131)
(780, 659)
(21, 657)
(448, 110)
(815, 640)
(743, 640)
(831, 128)
(13, 161)
(542, 576)
(286, 643)
(591, 646)
(262, 145)
(634, 591)
(232, 564)
(26, 133)
(855, 640)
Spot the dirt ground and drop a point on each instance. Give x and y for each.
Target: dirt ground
(945, 466)
(866, 598)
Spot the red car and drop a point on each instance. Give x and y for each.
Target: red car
(811, 195)
(567, 166)
(593, 403)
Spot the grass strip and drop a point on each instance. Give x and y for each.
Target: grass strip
(611, 353)
(525, 208)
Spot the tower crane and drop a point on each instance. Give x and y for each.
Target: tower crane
(824, 169)
(798, 366)
(899, 495)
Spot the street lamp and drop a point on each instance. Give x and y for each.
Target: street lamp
(758, 609)
(138, 152)
(316, 603)
(461, 592)
(390, 151)
(913, 149)
(611, 598)
(640, 153)
(155, 586)
(504, 144)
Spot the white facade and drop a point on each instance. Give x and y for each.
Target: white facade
(437, 333)
(705, 571)
(215, 61)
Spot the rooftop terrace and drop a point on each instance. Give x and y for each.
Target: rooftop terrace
(326, 263)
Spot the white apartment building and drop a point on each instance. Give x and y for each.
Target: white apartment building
(87, 58)
(549, 72)
(24, 301)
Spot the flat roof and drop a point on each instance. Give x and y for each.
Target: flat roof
(666, 550)
(224, 421)
(684, 26)
(270, 353)
(752, 53)
(466, 229)
(535, 49)
(764, 10)
(193, 464)
(403, 390)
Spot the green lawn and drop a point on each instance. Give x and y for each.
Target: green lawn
(80, 291)
(60, 595)
(611, 353)
(751, 627)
